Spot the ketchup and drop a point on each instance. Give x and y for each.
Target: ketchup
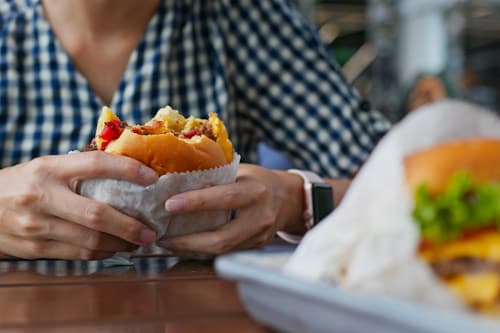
(190, 134)
(112, 130)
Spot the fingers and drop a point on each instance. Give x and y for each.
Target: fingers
(100, 217)
(220, 197)
(62, 203)
(256, 196)
(44, 216)
(27, 225)
(50, 249)
(96, 164)
(242, 233)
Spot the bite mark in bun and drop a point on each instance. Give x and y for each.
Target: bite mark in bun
(167, 143)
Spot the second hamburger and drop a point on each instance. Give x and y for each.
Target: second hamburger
(456, 188)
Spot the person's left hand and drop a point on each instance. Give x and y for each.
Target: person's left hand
(265, 202)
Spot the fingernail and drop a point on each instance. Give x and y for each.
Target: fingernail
(147, 236)
(175, 204)
(147, 173)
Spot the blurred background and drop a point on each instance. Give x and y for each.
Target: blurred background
(401, 54)
(394, 50)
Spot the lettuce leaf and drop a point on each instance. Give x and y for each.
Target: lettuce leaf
(464, 205)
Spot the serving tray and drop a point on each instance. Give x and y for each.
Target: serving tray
(290, 304)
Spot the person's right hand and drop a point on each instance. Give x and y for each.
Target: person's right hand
(41, 216)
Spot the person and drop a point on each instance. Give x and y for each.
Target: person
(427, 89)
(258, 64)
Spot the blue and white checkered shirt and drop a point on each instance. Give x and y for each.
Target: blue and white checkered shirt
(257, 63)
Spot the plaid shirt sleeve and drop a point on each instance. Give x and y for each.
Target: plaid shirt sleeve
(3, 9)
(290, 91)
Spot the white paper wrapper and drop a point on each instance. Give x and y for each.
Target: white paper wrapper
(147, 204)
(369, 242)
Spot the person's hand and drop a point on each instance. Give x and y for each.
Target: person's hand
(41, 216)
(265, 202)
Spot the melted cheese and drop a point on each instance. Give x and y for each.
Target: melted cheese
(485, 246)
(480, 290)
(221, 136)
(170, 118)
(192, 123)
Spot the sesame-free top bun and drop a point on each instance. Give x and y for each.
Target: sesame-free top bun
(166, 153)
(436, 165)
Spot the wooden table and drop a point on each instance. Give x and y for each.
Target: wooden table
(157, 294)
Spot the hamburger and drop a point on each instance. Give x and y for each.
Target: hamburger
(167, 143)
(456, 191)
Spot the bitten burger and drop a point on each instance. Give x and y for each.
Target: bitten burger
(168, 142)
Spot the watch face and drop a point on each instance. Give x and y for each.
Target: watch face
(322, 200)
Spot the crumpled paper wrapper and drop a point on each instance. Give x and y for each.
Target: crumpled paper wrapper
(147, 203)
(368, 244)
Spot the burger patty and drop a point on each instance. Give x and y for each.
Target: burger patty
(91, 146)
(459, 266)
(156, 128)
(205, 129)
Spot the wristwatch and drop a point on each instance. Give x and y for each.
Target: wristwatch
(318, 202)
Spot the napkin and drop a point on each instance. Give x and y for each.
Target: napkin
(147, 203)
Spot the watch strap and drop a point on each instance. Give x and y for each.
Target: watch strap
(308, 177)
